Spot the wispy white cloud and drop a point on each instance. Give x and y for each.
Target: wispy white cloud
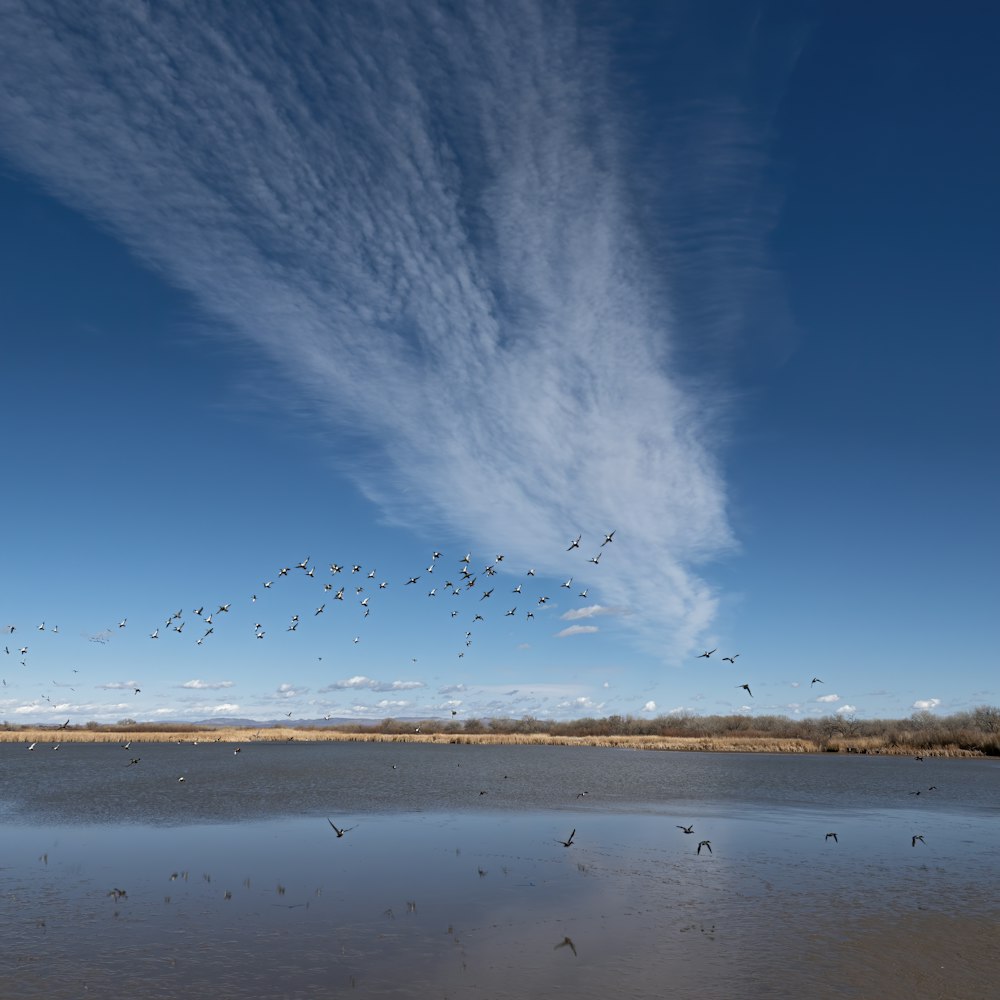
(926, 704)
(575, 614)
(119, 685)
(828, 698)
(198, 685)
(386, 203)
(368, 683)
(577, 630)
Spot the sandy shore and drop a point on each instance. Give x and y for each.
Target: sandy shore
(282, 734)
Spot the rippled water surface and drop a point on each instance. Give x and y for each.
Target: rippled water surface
(452, 881)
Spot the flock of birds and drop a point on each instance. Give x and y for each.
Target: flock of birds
(362, 592)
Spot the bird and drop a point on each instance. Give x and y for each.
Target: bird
(121, 624)
(65, 725)
(746, 687)
(32, 747)
(568, 843)
(917, 837)
(337, 830)
(566, 943)
(567, 584)
(155, 634)
(575, 544)
(730, 659)
(608, 538)
(829, 835)
(706, 844)
(686, 829)
(134, 760)
(815, 680)
(596, 560)
(706, 654)
(137, 690)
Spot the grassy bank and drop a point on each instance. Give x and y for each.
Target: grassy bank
(284, 734)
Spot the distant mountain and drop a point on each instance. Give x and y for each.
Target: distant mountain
(233, 723)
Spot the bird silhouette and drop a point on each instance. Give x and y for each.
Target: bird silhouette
(706, 844)
(746, 687)
(566, 943)
(829, 835)
(731, 659)
(913, 843)
(706, 654)
(686, 829)
(338, 830)
(568, 843)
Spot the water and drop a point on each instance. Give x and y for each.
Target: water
(452, 881)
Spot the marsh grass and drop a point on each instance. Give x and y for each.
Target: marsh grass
(966, 734)
(287, 734)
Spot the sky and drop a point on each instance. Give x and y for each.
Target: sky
(437, 290)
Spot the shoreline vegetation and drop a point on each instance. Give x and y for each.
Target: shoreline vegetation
(968, 734)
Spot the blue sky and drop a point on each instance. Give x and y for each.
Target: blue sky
(355, 284)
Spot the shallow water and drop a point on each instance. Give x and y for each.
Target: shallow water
(236, 886)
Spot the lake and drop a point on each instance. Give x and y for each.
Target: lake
(453, 880)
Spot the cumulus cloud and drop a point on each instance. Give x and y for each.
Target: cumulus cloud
(198, 685)
(926, 704)
(361, 682)
(650, 706)
(828, 698)
(577, 630)
(846, 710)
(119, 685)
(452, 204)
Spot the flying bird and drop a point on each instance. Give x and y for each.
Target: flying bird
(746, 687)
(337, 830)
(686, 829)
(608, 538)
(829, 835)
(566, 943)
(815, 680)
(706, 654)
(567, 843)
(913, 843)
(730, 659)
(575, 544)
(706, 844)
